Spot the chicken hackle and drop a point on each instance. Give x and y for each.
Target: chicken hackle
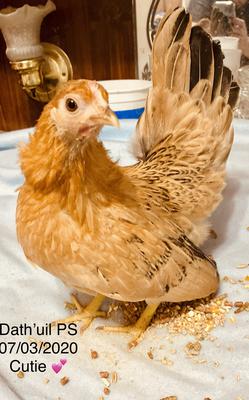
(132, 233)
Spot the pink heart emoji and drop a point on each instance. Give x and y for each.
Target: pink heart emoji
(63, 361)
(57, 367)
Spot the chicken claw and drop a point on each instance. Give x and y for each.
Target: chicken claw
(137, 329)
(87, 314)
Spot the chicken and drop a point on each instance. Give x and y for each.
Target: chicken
(132, 233)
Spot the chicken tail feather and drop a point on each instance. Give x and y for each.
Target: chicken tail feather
(171, 52)
(188, 76)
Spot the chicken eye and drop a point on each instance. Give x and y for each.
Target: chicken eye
(71, 105)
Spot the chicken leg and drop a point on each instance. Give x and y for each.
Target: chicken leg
(138, 328)
(86, 314)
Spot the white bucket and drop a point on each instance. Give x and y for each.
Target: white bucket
(229, 46)
(127, 97)
(228, 42)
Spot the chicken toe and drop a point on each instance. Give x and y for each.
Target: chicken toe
(137, 329)
(85, 314)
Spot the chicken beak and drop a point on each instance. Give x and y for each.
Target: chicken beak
(108, 118)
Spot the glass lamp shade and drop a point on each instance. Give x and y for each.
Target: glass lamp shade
(21, 30)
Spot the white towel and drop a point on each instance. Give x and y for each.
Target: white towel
(30, 295)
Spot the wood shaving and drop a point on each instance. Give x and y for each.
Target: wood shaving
(241, 306)
(199, 361)
(106, 391)
(216, 364)
(20, 374)
(228, 304)
(238, 303)
(230, 280)
(242, 266)
(232, 320)
(237, 281)
(64, 380)
(212, 338)
(114, 377)
(150, 354)
(197, 318)
(104, 374)
(167, 361)
(94, 354)
(192, 348)
(169, 398)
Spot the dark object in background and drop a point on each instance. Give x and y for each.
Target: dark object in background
(227, 7)
(242, 12)
(99, 38)
(200, 9)
(220, 24)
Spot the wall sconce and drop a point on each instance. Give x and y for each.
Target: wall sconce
(42, 66)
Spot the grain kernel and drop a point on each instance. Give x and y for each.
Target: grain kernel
(104, 374)
(114, 377)
(169, 398)
(238, 303)
(64, 380)
(94, 354)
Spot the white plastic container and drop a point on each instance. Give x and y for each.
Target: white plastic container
(228, 42)
(127, 97)
(229, 46)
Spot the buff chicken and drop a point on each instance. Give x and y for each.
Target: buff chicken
(132, 233)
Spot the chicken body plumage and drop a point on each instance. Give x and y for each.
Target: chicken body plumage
(102, 240)
(125, 232)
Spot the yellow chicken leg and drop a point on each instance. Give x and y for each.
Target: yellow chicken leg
(138, 328)
(87, 314)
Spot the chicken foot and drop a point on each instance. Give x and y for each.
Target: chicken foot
(138, 328)
(87, 314)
